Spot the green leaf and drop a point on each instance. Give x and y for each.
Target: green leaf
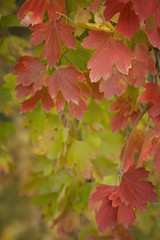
(80, 56)
(79, 156)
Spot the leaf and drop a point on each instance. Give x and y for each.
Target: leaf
(51, 142)
(108, 51)
(83, 15)
(145, 9)
(152, 94)
(53, 33)
(134, 191)
(135, 144)
(154, 37)
(81, 162)
(46, 101)
(117, 203)
(30, 70)
(128, 21)
(114, 85)
(64, 79)
(80, 56)
(127, 109)
(32, 12)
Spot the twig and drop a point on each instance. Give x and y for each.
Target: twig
(130, 136)
(61, 14)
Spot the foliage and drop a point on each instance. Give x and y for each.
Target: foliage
(85, 82)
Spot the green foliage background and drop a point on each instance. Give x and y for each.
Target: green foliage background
(51, 159)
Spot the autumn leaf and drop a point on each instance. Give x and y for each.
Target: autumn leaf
(32, 11)
(30, 70)
(135, 145)
(114, 85)
(53, 33)
(131, 13)
(152, 94)
(128, 21)
(81, 162)
(64, 79)
(46, 101)
(127, 109)
(108, 51)
(117, 203)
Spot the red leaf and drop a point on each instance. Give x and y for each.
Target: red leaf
(106, 216)
(64, 79)
(127, 108)
(43, 95)
(109, 50)
(146, 148)
(142, 54)
(24, 91)
(131, 12)
(128, 21)
(30, 70)
(154, 37)
(132, 192)
(53, 33)
(114, 85)
(135, 144)
(152, 94)
(135, 192)
(77, 110)
(145, 8)
(126, 214)
(32, 11)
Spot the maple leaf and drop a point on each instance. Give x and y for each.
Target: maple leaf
(53, 33)
(117, 203)
(46, 101)
(152, 94)
(128, 21)
(24, 91)
(30, 70)
(135, 192)
(153, 29)
(135, 144)
(64, 79)
(154, 37)
(142, 62)
(131, 12)
(144, 8)
(109, 51)
(127, 109)
(114, 85)
(146, 147)
(66, 222)
(32, 11)
(151, 146)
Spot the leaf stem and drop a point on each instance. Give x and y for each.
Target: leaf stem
(71, 62)
(146, 108)
(61, 14)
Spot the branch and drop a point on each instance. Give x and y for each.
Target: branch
(131, 134)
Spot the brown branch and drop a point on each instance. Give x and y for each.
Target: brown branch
(146, 108)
